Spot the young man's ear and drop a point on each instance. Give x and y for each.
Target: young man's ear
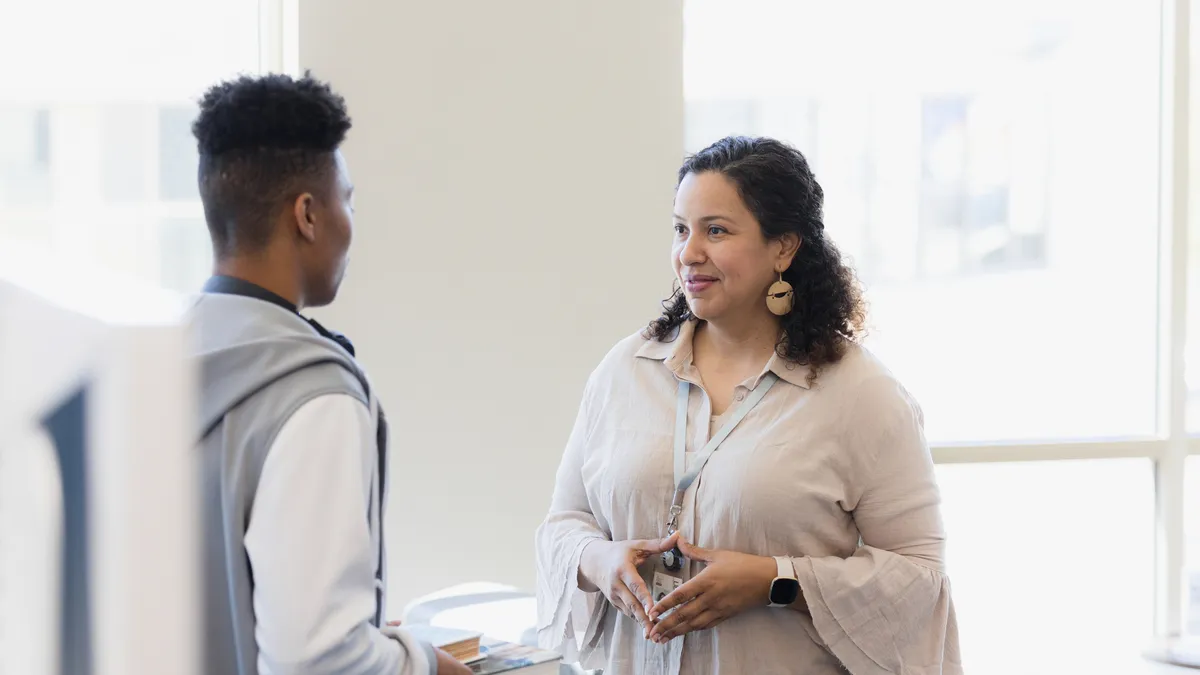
(303, 216)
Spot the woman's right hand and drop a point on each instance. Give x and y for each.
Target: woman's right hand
(611, 568)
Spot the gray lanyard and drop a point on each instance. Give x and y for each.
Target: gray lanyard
(684, 480)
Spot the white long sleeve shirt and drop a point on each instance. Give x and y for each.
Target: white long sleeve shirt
(309, 546)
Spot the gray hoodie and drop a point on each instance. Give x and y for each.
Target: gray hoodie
(258, 364)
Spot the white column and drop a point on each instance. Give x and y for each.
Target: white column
(1173, 259)
(515, 165)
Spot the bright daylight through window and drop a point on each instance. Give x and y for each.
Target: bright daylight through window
(97, 159)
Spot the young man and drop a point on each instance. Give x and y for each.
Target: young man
(292, 440)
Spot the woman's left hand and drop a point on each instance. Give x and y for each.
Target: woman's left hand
(730, 583)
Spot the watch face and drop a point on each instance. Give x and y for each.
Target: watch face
(784, 591)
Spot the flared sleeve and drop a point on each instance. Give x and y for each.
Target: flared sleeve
(888, 607)
(568, 528)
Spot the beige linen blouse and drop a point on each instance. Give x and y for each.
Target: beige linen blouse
(807, 473)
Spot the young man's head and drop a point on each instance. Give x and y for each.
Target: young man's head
(276, 192)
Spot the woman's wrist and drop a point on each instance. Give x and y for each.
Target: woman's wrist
(765, 570)
(799, 605)
(583, 575)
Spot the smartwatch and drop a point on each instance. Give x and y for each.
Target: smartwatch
(784, 588)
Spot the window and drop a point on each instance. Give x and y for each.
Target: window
(177, 156)
(1191, 584)
(97, 161)
(125, 152)
(1192, 375)
(971, 186)
(965, 190)
(1000, 177)
(1030, 560)
(24, 155)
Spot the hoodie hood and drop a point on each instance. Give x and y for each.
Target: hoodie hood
(242, 345)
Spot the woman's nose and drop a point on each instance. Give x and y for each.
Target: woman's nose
(692, 252)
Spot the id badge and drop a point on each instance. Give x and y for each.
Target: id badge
(664, 584)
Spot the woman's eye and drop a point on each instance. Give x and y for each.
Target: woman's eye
(680, 228)
(716, 230)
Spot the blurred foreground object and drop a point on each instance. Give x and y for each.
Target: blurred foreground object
(99, 534)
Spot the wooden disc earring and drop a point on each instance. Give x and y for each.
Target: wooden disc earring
(780, 297)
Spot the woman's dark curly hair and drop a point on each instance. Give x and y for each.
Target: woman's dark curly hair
(778, 187)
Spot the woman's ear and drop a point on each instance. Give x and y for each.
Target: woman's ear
(788, 245)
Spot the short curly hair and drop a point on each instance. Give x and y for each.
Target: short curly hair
(263, 141)
(778, 187)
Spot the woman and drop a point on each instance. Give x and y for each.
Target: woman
(747, 432)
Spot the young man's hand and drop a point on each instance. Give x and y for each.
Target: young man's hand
(448, 665)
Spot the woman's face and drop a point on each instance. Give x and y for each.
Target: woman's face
(721, 258)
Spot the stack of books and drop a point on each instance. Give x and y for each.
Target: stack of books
(461, 644)
(488, 657)
(504, 657)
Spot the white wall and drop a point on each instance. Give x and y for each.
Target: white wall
(514, 164)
